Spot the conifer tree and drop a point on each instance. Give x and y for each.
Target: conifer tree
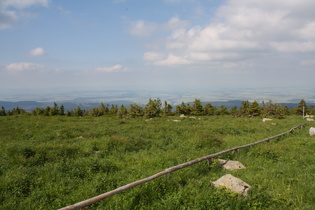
(235, 112)
(244, 109)
(47, 111)
(223, 110)
(2, 111)
(278, 111)
(102, 110)
(254, 109)
(209, 109)
(311, 110)
(197, 108)
(301, 106)
(113, 110)
(135, 111)
(78, 112)
(167, 110)
(122, 112)
(268, 109)
(153, 108)
(55, 110)
(62, 110)
(286, 110)
(181, 109)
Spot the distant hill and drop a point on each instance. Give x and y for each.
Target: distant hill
(70, 105)
(26, 105)
(30, 105)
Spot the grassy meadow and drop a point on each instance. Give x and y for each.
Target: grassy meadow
(53, 162)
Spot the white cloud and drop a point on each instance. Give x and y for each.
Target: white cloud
(20, 4)
(143, 28)
(115, 68)
(153, 56)
(37, 52)
(308, 31)
(24, 67)
(241, 30)
(7, 19)
(172, 60)
(9, 14)
(294, 46)
(307, 62)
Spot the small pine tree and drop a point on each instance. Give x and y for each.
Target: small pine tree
(102, 110)
(62, 110)
(153, 108)
(3, 112)
(223, 110)
(55, 110)
(209, 109)
(135, 111)
(113, 110)
(167, 110)
(286, 110)
(311, 110)
(122, 112)
(235, 112)
(78, 112)
(181, 109)
(268, 109)
(197, 108)
(278, 111)
(244, 109)
(301, 106)
(254, 109)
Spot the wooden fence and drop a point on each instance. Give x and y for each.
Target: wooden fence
(86, 203)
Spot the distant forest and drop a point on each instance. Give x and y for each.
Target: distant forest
(157, 108)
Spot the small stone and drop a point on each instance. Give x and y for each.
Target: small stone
(266, 119)
(231, 165)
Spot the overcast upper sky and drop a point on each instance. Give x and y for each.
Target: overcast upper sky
(159, 43)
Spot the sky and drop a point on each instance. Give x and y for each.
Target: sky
(47, 44)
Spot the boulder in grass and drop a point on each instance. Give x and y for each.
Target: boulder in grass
(266, 119)
(312, 131)
(231, 165)
(234, 184)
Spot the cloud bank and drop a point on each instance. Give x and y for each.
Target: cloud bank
(10, 10)
(242, 30)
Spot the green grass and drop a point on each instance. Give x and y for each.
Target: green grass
(53, 162)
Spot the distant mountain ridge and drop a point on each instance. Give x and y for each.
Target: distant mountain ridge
(30, 105)
(70, 105)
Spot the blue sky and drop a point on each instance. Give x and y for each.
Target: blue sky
(156, 44)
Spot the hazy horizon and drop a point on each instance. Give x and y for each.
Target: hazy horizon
(174, 96)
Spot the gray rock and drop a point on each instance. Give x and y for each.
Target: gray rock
(231, 165)
(234, 184)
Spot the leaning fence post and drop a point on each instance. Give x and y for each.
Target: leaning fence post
(209, 161)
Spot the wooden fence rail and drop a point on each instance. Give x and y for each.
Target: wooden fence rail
(90, 201)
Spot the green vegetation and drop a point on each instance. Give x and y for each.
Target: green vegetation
(49, 162)
(154, 109)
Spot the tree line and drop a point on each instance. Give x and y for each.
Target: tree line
(155, 108)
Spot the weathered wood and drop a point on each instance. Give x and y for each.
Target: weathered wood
(209, 161)
(90, 201)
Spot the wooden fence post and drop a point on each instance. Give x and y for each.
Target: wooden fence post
(209, 161)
